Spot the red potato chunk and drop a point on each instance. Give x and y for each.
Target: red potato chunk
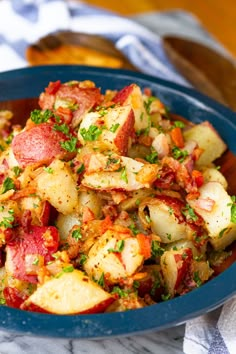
(33, 244)
(70, 293)
(75, 97)
(115, 127)
(132, 95)
(40, 144)
(175, 265)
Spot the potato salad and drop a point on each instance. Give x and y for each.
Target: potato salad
(109, 202)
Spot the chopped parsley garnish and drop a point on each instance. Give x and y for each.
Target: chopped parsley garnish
(112, 161)
(35, 261)
(123, 175)
(134, 229)
(69, 145)
(197, 279)
(76, 234)
(2, 301)
(68, 269)
(8, 184)
(152, 157)
(91, 134)
(38, 116)
(103, 111)
(168, 236)
(48, 170)
(7, 221)
(148, 219)
(156, 249)
(114, 127)
(17, 170)
(101, 280)
(179, 124)
(82, 259)
(80, 169)
(189, 213)
(120, 292)
(233, 209)
(9, 139)
(165, 297)
(222, 232)
(179, 154)
(148, 102)
(62, 128)
(119, 247)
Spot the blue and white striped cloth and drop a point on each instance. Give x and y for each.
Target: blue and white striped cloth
(23, 22)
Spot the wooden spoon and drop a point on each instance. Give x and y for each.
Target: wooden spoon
(206, 69)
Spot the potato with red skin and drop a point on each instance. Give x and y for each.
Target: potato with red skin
(14, 298)
(175, 265)
(69, 293)
(77, 97)
(132, 95)
(40, 144)
(37, 240)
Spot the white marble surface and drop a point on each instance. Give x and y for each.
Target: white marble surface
(169, 341)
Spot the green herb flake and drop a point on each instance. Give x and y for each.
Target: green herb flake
(123, 175)
(222, 232)
(2, 301)
(80, 169)
(17, 170)
(134, 229)
(62, 128)
(76, 234)
(189, 213)
(83, 259)
(48, 170)
(152, 157)
(35, 261)
(101, 280)
(121, 292)
(179, 124)
(197, 279)
(119, 247)
(179, 154)
(68, 269)
(165, 297)
(233, 209)
(91, 134)
(156, 249)
(148, 102)
(69, 145)
(8, 184)
(37, 116)
(114, 127)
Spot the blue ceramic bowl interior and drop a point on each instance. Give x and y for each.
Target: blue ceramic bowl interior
(30, 82)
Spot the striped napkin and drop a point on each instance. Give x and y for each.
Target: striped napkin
(139, 38)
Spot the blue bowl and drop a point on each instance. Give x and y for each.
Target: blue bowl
(29, 83)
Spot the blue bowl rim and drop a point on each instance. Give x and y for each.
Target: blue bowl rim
(153, 318)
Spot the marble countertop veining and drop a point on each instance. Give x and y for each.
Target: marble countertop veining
(169, 341)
